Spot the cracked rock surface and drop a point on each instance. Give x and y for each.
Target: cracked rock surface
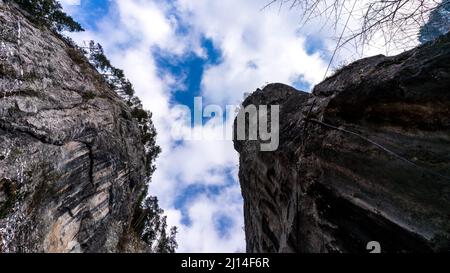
(72, 163)
(365, 157)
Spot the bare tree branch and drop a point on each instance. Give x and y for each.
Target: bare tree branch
(396, 20)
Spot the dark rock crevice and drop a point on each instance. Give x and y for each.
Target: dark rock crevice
(9, 127)
(89, 147)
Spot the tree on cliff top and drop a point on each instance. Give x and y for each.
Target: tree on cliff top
(50, 14)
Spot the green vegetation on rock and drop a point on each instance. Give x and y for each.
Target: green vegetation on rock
(49, 13)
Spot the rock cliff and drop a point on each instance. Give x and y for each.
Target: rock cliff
(365, 157)
(72, 161)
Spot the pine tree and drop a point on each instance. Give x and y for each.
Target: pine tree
(150, 221)
(97, 57)
(50, 14)
(114, 77)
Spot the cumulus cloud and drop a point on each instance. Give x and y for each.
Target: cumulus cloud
(258, 47)
(206, 212)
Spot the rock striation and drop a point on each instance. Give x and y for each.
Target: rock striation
(364, 158)
(72, 161)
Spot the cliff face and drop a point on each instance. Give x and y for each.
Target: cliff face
(365, 157)
(72, 162)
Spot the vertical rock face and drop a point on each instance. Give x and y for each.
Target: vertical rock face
(365, 157)
(72, 162)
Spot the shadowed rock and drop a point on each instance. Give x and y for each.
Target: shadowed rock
(365, 157)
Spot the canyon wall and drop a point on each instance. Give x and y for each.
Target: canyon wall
(365, 157)
(72, 160)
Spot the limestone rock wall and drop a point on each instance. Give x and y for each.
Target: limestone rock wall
(72, 163)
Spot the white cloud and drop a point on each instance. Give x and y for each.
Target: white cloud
(203, 235)
(258, 47)
(67, 3)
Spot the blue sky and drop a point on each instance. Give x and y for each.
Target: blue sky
(173, 51)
